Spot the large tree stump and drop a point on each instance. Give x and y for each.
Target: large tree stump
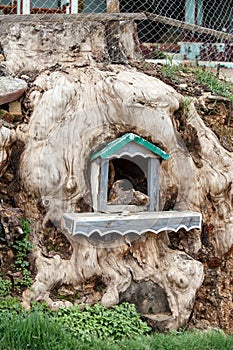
(75, 108)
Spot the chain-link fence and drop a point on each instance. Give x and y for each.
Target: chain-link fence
(183, 29)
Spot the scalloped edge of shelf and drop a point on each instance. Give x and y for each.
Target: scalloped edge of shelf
(139, 223)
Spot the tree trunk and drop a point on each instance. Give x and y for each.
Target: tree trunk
(75, 104)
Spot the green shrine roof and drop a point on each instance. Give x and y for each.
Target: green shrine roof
(117, 144)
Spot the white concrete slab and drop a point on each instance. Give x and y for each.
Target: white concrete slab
(88, 223)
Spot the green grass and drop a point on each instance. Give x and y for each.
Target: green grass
(217, 87)
(203, 77)
(38, 331)
(172, 72)
(93, 328)
(181, 341)
(35, 332)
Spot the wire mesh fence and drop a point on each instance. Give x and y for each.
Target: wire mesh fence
(182, 29)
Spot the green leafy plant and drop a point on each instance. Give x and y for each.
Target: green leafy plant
(39, 331)
(5, 287)
(10, 306)
(99, 322)
(43, 329)
(22, 248)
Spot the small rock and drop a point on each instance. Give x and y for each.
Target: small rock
(55, 306)
(25, 77)
(11, 89)
(67, 303)
(183, 86)
(15, 108)
(65, 291)
(10, 254)
(159, 322)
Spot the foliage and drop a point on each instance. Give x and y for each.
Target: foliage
(22, 248)
(196, 340)
(38, 330)
(70, 328)
(156, 54)
(33, 331)
(43, 329)
(10, 306)
(5, 287)
(171, 71)
(185, 106)
(99, 322)
(212, 82)
(202, 76)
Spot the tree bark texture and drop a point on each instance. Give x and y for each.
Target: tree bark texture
(73, 109)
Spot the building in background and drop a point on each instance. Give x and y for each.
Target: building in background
(168, 38)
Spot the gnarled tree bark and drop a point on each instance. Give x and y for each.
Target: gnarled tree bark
(77, 107)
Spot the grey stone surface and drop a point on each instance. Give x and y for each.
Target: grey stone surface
(11, 89)
(148, 297)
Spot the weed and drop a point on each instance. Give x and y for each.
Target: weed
(5, 287)
(203, 77)
(185, 105)
(99, 322)
(38, 331)
(182, 113)
(10, 306)
(34, 331)
(170, 71)
(157, 54)
(22, 248)
(218, 87)
(118, 328)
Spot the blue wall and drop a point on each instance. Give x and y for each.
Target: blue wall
(45, 3)
(96, 6)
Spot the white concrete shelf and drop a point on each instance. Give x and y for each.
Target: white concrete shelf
(139, 223)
